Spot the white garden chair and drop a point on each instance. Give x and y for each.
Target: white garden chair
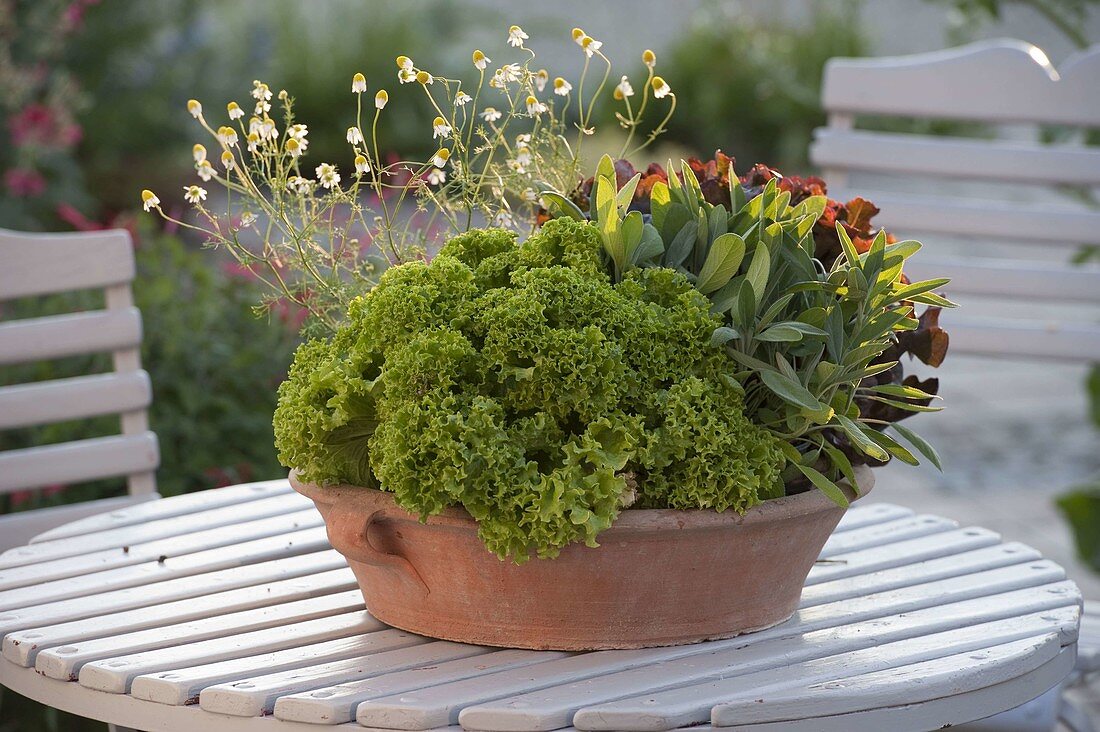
(998, 202)
(33, 265)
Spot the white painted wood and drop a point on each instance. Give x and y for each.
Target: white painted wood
(56, 336)
(955, 157)
(336, 704)
(184, 505)
(39, 264)
(847, 625)
(939, 713)
(246, 640)
(64, 661)
(1062, 341)
(81, 460)
(958, 673)
(169, 537)
(885, 533)
(76, 398)
(900, 554)
(229, 688)
(911, 214)
(997, 81)
(19, 528)
(344, 636)
(176, 546)
(859, 516)
(173, 590)
(22, 647)
(599, 676)
(258, 550)
(991, 82)
(140, 714)
(1088, 659)
(255, 696)
(931, 570)
(881, 649)
(1009, 278)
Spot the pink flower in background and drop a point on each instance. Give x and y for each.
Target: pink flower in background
(39, 125)
(25, 182)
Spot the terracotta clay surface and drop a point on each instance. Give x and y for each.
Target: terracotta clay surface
(659, 577)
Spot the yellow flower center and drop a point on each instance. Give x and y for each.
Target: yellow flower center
(423, 77)
(402, 61)
(147, 195)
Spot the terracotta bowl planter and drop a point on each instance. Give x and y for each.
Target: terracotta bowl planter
(658, 578)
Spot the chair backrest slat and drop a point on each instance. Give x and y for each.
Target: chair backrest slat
(57, 336)
(995, 81)
(1026, 280)
(991, 82)
(885, 152)
(78, 461)
(1014, 222)
(33, 265)
(47, 402)
(40, 264)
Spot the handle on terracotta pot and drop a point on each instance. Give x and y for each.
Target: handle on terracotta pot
(354, 532)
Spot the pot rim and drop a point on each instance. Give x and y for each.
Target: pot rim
(775, 509)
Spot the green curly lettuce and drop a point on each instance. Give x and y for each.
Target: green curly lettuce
(516, 381)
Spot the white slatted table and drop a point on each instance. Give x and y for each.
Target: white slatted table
(226, 611)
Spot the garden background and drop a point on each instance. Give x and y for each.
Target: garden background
(93, 106)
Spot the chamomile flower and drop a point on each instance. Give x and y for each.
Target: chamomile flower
(194, 194)
(541, 78)
(624, 89)
(194, 108)
(578, 36)
(293, 147)
(437, 176)
(355, 137)
(424, 78)
(261, 91)
(529, 195)
(149, 200)
(534, 106)
(406, 76)
(253, 140)
(523, 139)
(462, 98)
(381, 98)
(234, 110)
(504, 220)
(268, 130)
(661, 88)
(327, 175)
(227, 136)
(491, 114)
(404, 62)
(298, 184)
(442, 155)
(649, 58)
(516, 36)
(227, 160)
(358, 84)
(199, 153)
(247, 219)
(481, 60)
(590, 45)
(562, 87)
(440, 128)
(361, 165)
(205, 170)
(511, 72)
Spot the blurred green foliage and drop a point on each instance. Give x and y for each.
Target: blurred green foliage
(214, 368)
(752, 83)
